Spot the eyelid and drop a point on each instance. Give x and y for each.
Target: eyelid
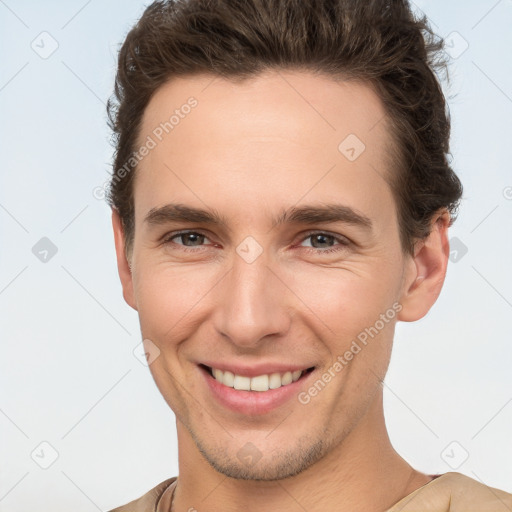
(340, 238)
(167, 238)
(343, 242)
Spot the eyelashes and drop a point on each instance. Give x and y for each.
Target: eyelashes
(342, 241)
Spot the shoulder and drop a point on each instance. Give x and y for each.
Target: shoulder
(455, 492)
(150, 500)
(470, 494)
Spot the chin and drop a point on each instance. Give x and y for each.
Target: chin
(249, 463)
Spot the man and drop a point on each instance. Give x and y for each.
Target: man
(281, 198)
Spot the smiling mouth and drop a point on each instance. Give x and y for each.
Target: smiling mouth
(259, 383)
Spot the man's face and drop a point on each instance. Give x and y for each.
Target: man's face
(257, 296)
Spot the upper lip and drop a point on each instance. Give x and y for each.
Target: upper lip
(256, 369)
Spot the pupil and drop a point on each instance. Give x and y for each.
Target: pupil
(321, 238)
(192, 237)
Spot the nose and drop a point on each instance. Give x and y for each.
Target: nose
(252, 304)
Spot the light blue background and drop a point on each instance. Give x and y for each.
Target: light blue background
(68, 373)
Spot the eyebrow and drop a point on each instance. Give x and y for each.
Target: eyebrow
(308, 214)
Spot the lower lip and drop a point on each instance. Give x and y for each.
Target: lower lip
(253, 402)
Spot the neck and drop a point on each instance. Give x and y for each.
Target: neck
(363, 472)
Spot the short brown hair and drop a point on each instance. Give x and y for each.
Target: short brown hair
(379, 42)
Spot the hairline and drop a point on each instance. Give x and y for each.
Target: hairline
(392, 153)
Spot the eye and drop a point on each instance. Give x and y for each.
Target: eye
(320, 242)
(186, 239)
(323, 242)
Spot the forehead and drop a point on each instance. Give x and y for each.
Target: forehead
(272, 100)
(279, 132)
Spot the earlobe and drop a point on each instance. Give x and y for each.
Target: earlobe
(428, 272)
(123, 265)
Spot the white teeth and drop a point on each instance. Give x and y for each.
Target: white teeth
(286, 378)
(242, 383)
(259, 383)
(274, 381)
(228, 379)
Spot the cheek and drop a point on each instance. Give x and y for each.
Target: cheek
(167, 295)
(346, 301)
(338, 303)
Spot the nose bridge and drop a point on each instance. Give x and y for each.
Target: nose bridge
(252, 303)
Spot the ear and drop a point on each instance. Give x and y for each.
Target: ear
(427, 270)
(123, 265)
